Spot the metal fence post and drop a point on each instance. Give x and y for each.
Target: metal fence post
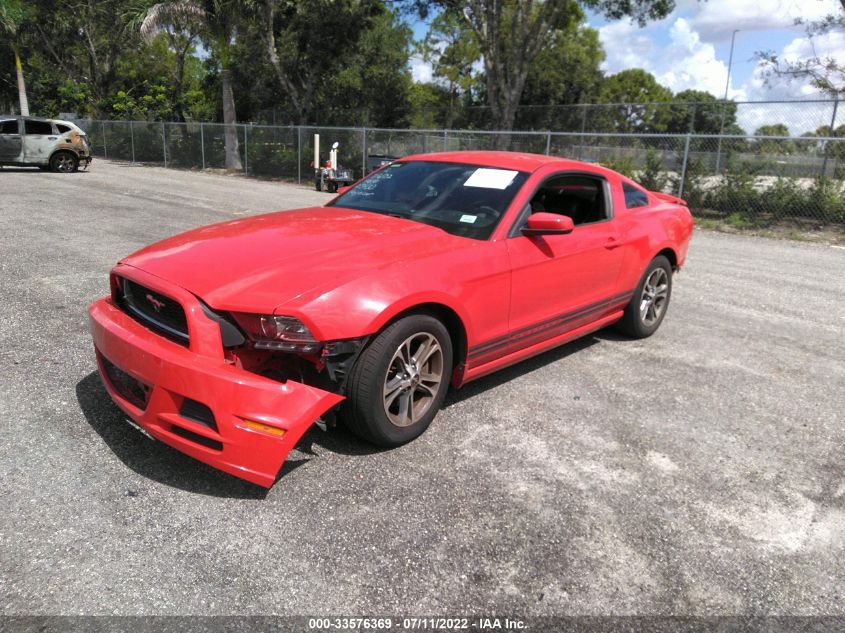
(246, 151)
(105, 148)
(202, 143)
(583, 129)
(164, 142)
(363, 152)
(132, 138)
(831, 133)
(445, 140)
(298, 153)
(548, 142)
(684, 166)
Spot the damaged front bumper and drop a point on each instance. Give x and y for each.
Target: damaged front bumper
(193, 400)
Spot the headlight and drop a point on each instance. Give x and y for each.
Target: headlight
(282, 333)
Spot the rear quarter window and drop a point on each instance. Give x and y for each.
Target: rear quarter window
(62, 128)
(634, 197)
(38, 127)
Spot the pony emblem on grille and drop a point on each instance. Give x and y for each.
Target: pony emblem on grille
(157, 305)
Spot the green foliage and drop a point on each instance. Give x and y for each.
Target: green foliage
(639, 100)
(774, 146)
(701, 114)
(151, 104)
(625, 165)
(653, 176)
(828, 197)
(565, 72)
(694, 189)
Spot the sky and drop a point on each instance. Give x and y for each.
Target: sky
(690, 48)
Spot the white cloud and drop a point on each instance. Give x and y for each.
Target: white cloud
(692, 64)
(715, 20)
(805, 118)
(686, 63)
(421, 70)
(625, 46)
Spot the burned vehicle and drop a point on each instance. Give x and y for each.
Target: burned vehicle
(229, 341)
(60, 146)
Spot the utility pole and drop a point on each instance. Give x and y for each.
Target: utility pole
(725, 102)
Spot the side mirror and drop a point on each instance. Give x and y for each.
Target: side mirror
(542, 223)
(341, 190)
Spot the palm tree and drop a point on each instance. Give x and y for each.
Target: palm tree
(216, 20)
(11, 15)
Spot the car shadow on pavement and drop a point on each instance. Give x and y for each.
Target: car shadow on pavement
(155, 460)
(481, 385)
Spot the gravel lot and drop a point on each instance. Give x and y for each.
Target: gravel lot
(698, 472)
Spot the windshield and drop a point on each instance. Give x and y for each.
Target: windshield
(464, 200)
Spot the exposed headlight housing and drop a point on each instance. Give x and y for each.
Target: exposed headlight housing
(280, 333)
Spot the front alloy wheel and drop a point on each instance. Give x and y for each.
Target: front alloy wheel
(413, 379)
(400, 380)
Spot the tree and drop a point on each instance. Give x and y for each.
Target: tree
(11, 15)
(452, 49)
(307, 43)
(638, 103)
(216, 20)
(376, 66)
(511, 33)
(699, 112)
(564, 73)
(824, 72)
(774, 146)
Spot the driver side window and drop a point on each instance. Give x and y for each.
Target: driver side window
(580, 197)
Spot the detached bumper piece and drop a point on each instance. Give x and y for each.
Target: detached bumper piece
(188, 396)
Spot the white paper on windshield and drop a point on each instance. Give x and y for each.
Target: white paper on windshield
(469, 219)
(491, 178)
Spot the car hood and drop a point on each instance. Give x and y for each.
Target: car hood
(259, 263)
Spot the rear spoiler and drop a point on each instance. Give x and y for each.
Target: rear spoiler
(665, 197)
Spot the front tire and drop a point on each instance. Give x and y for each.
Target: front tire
(64, 162)
(399, 382)
(650, 301)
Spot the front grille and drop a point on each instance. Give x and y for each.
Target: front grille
(155, 310)
(130, 389)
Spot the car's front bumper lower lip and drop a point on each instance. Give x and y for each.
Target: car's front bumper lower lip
(173, 373)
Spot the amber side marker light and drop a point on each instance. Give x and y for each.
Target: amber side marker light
(266, 428)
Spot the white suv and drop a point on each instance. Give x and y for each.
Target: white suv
(45, 143)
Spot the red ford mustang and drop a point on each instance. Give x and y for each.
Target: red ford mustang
(229, 341)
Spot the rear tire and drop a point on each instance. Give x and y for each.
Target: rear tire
(64, 162)
(650, 301)
(399, 382)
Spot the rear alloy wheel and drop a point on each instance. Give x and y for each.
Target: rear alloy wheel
(64, 162)
(650, 301)
(400, 381)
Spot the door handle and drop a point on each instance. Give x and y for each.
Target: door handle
(612, 243)
(52, 138)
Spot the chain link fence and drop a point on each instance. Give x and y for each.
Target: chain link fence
(747, 180)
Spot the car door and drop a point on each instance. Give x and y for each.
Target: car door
(39, 138)
(562, 282)
(11, 143)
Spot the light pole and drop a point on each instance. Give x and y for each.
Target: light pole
(725, 102)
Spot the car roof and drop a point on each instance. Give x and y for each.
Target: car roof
(520, 161)
(38, 118)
